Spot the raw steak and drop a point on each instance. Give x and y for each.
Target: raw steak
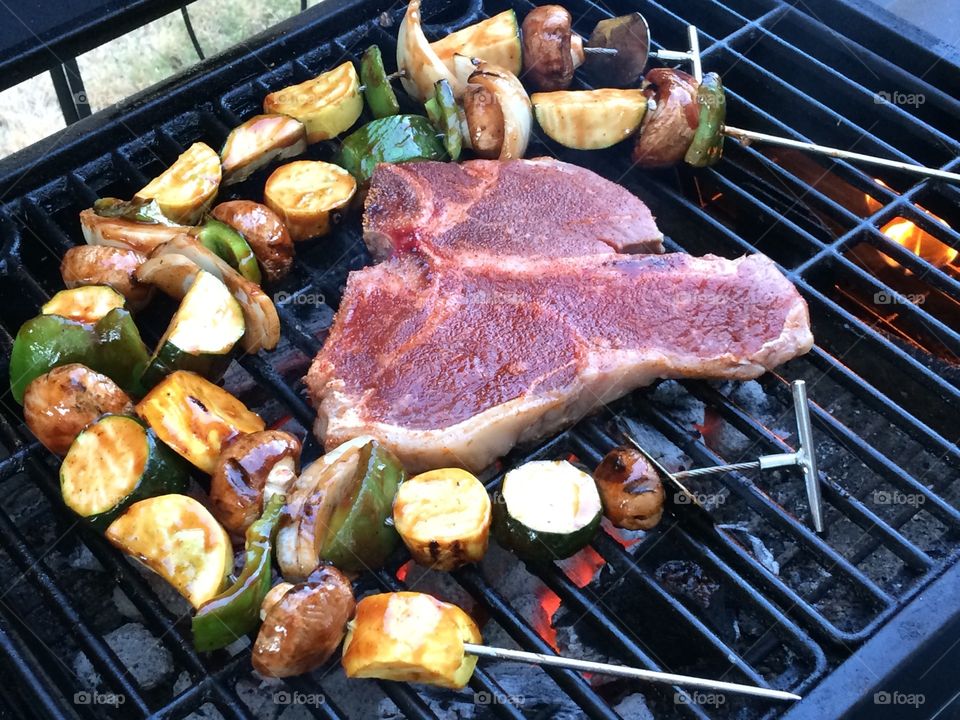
(532, 208)
(452, 363)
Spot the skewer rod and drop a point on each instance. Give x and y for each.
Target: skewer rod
(697, 472)
(627, 672)
(749, 136)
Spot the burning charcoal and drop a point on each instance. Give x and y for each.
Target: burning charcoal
(148, 660)
(687, 579)
(760, 551)
(124, 605)
(635, 707)
(679, 404)
(259, 697)
(82, 559)
(183, 683)
(207, 711)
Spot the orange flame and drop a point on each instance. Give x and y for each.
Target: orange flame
(543, 621)
(906, 233)
(583, 567)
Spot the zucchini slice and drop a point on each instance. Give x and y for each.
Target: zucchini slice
(410, 637)
(202, 334)
(546, 510)
(178, 538)
(496, 40)
(589, 119)
(196, 418)
(113, 463)
(258, 142)
(326, 105)
(86, 304)
(443, 517)
(186, 189)
(306, 194)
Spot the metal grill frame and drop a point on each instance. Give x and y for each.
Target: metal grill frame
(114, 145)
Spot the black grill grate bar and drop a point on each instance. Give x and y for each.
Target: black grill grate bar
(908, 208)
(98, 652)
(846, 503)
(50, 235)
(924, 269)
(127, 168)
(14, 462)
(778, 517)
(266, 374)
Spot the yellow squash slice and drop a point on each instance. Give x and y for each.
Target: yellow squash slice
(589, 119)
(327, 105)
(496, 40)
(178, 538)
(306, 193)
(410, 637)
(185, 190)
(258, 142)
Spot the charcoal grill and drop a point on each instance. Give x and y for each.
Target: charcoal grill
(862, 620)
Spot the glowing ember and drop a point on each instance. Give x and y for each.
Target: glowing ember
(620, 536)
(906, 233)
(711, 426)
(583, 567)
(404, 570)
(543, 621)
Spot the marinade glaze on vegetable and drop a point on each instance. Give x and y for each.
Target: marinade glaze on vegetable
(450, 359)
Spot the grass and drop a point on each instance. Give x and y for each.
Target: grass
(30, 111)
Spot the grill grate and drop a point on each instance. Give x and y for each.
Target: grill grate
(885, 414)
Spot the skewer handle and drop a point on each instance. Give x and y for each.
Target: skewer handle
(627, 672)
(749, 136)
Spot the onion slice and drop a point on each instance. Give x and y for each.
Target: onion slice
(514, 104)
(419, 63)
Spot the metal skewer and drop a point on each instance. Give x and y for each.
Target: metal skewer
(627, 672)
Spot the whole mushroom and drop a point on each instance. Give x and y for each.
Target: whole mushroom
(551, 50)
(667, 130)
(264, 231)
(630, 488)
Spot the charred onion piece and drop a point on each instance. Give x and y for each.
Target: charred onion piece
(629, 35)
(418, 61)
(264, 232)
(547, 58)
(251, 470)
(303, 628)
(668, 130)
(61, 403)
(630, 488)
(104, 265)
(484, 121)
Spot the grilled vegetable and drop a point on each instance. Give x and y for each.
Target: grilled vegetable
(259, 313)
(118, 232)
(202, 334)
(258, 142)
(630, 37)
(327, 105)
(496, 40)
(86, 304)
(547, 48)
(445, 115)
(264, 232)
(59, 404)
(196, 418)
(308, 196)
(546, 510)
(443, 517)
(376, 85)
(411, 637)
(110, 266)
(394, 139)
(304, 626)
(230, 246)
(417, 59)
(338, 510)
(630, 488)
(668, 130)
(513, 102)
(707, 146)
(176, 537)
(484, 120)
(236, 611)
(186, 189)
(141, 211)
(589, 119)
(112, 346)
(250, 471)
(113, 463)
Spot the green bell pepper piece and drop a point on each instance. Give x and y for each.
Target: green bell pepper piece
(236, 611)
(120, 353)
(142, 211)
(707, 146)
(359, 535)
(376, 86)
(443, 113)
(46, 342)
(230, 246)
(394, 139)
